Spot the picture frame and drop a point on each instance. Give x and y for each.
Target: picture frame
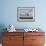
(26, 14)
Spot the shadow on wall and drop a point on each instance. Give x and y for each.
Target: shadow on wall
(2, 26)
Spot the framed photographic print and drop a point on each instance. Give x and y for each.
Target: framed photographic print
(26, 14)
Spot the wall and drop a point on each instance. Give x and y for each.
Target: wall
(9, 13)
